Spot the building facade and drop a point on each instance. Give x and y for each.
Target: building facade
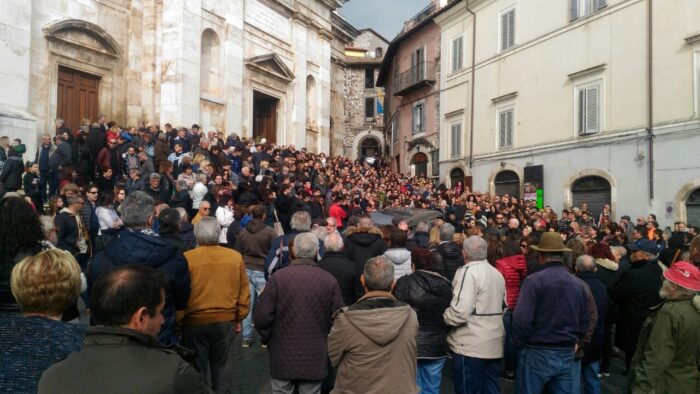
(410, 74)
(260, 68)
(585, 100)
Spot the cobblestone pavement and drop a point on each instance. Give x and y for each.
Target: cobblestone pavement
(253, 375)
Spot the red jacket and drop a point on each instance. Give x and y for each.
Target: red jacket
(337, 212)
(514, 270)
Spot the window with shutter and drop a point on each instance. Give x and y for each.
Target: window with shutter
(507, 29)
(588, 117)
(418, 119)
(581, 8)
(457, 51)
(456, 140)
(505, 129)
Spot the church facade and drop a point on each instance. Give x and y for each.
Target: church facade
(258, 68)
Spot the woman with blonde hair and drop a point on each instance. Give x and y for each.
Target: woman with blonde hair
(434, 237)
(45, 285)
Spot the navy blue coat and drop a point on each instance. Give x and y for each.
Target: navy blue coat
(593, 351)
(137, 248)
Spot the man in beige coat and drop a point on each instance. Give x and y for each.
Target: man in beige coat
(373, 342)
(476, 318)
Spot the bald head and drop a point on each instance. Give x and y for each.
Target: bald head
(585, 263)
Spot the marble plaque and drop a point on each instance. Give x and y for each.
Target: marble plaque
(268, 20)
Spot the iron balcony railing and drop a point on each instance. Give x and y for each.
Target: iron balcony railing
(414, 78)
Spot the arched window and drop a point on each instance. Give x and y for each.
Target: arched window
(420, 163)
(311, 102)
(692, 206)
(507, 182)
(210, 66)
(456, 175)
(593, 190)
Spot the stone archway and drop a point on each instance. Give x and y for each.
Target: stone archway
(361, 137)
(569, 195)
(680, 209)
(505, 167)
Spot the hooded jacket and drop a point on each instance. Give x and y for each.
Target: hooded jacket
(135, 247)
(608, 272)
(401, 257)
(448, 258)
(429, 294)
(363, 243)
(11, 174)
(373, 345)
(668, 351)
(254, 241)
(514, 271)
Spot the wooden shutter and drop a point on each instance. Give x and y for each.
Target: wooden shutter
(511, 28)
(456, 130)
(502, 129)
(509, 129)
(582, 111)
(504, 31)
(601, 4)
(592, 110)
(573, 8)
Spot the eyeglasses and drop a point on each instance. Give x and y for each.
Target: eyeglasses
(92, 192)
(206, 209)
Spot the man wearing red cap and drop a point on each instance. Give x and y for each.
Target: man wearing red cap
(668, 352)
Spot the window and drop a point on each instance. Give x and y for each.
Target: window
(369, 107)
(588, 109)
(507, 30)
(457, 53)
(418, 119)
(418, 64)
(505, 129)
(395, 130)
(456, 140)
(378, 52)
(581, 8)
(369, 78)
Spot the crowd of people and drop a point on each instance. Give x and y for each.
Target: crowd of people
(172, 241)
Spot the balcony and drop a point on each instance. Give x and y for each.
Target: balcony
(416, 77)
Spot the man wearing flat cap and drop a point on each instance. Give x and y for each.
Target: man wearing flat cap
(550, 321)
(636, 292)
(668, 352)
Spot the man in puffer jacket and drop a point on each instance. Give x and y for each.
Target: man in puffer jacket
(398, 254)
(513, 267)
(363, 242)
(448, 255)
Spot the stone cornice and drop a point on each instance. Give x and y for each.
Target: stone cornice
(693, 40)
(588, 71)
(504, 97)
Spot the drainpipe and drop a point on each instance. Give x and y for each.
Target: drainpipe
(650, 102)
(471, 101)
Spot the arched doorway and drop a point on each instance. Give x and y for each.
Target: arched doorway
(456, 175)
(692, 206)
(507, 182)
(420, 164)
(593, 190)
(369, 148)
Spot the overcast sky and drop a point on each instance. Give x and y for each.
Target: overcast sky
(386, 17)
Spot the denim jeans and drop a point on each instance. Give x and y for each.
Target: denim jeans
(555, 368)
(589, 378)
(256, 283)
(510, 350)
(429, 375)
(213, 347)
(280, 386)
(476, 375)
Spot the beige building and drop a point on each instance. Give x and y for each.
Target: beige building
(586, 100)
(259, 68)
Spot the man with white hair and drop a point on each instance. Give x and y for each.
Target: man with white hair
(278, 255)
(668, 352)
(476, 317)
(219, 299)
(294, 318)
(636, 292)
(337, 264)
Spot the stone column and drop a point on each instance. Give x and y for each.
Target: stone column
(324, 84)
(133, 74)
(15, 74)
(180, 50)
(297, 108)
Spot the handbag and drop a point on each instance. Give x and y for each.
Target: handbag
(277, 225)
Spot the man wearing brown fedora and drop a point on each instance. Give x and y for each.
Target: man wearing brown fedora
(550, 321)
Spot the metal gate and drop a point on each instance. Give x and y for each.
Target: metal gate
(692, 206)
(593, 190)
(507, 182)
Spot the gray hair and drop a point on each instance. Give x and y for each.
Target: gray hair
(74, 199)
(154, 176)
(301, 221)
(47, 224)
(333, 243)
(379, 274)
(320, 233)
(183, 213)
(475, 248)
(201, 178)
(305, 245)
(181, 184)
(136, 209)
(422, 226)
(619, 250)
(447, 232)
(585, 263)
(207, 231)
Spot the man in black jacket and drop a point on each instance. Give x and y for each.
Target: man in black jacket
(120, 354)
(60, 158)
(363, 242)
(636, 292)
(448, 255)
(337, 264)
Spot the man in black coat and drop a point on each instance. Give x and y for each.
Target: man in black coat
(337, 264)
(636, 292)
(59, 158)
(138, 244)
(11, 176)
(363, 242)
